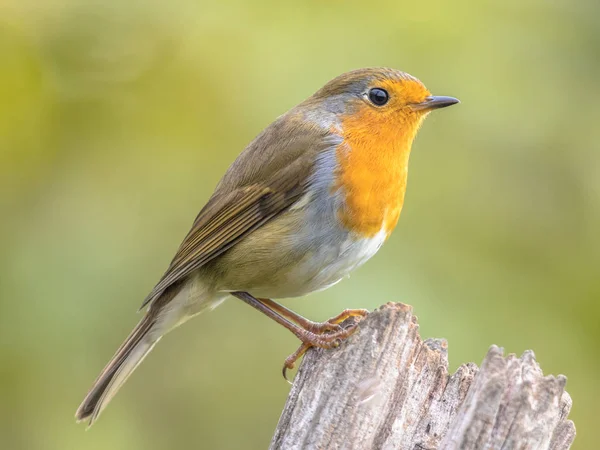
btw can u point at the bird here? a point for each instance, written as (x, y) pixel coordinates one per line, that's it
(310, 199)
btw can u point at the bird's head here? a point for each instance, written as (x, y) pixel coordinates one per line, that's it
(381, 103)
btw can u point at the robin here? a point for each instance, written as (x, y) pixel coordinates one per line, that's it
(311, 198)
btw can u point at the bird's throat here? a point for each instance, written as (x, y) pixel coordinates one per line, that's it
(373, 169)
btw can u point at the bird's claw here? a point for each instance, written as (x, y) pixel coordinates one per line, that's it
(326, 335)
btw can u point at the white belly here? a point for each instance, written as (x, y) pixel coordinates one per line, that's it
(323, 268)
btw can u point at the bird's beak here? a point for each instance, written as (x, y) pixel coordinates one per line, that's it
(434, 102)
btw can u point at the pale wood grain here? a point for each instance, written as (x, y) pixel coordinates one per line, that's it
(386, 388)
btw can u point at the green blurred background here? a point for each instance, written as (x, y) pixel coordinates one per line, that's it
(117, 119)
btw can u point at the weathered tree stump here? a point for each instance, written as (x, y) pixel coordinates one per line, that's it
(385, 388)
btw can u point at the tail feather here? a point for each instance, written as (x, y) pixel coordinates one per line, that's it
(129, 355)
(170, 310)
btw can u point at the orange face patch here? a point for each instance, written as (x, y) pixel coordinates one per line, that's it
(373, 159)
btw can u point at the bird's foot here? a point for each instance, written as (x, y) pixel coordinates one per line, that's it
(327, 334)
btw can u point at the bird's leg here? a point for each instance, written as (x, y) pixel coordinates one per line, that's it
(324, 335)
(308, 325)
(331, 325)
(316, 327)
(328, 340)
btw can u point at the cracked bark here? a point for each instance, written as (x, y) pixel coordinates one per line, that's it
(385, 388)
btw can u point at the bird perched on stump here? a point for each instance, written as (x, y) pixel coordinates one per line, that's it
(310, 199)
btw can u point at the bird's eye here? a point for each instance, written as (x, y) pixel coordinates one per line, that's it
(378, 96)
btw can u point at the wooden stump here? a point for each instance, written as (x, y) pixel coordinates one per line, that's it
(385, 388)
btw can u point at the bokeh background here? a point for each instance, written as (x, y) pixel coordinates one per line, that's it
(117, 119)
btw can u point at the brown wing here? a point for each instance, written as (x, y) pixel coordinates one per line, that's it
(241, 212)
(266, 179)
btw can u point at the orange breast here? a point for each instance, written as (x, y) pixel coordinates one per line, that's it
(373, 168)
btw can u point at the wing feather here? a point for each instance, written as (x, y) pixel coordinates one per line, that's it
(267, 178)
(243, 212)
